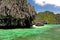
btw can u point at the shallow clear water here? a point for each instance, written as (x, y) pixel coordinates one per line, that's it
(51, 25)
(23, 33)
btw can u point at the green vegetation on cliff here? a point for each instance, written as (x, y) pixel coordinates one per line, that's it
(49, 16)
(58, 18)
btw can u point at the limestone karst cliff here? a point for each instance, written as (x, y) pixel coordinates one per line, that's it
(16, 13)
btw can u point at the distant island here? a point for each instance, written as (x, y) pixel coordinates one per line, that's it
(48, 16)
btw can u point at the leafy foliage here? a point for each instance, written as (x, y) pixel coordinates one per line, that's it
(58, 18)
(49, 16)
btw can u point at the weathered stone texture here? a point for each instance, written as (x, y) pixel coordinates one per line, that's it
(17, 9)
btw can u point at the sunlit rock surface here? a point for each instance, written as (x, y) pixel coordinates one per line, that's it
(16, 13)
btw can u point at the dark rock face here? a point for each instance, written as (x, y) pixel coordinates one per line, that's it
(39, 24)
(45, 22)
(16, 13)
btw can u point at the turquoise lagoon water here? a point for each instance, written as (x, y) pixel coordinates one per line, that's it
(14, 34)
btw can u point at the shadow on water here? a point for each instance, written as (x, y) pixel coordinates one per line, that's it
(13, 27)
(9, 25)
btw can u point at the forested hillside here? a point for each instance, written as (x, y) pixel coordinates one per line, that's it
(58, 18)
(49, 16)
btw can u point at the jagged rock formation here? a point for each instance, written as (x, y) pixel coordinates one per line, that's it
(16, 13)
